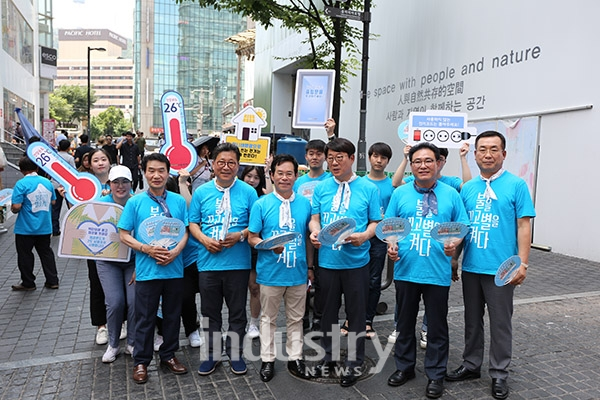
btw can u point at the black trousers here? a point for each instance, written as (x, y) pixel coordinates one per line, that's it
(231, 286)
(56, 208)
(97, 302)
(147, 299)
(408, 296)
(25, 259)
(354, 285)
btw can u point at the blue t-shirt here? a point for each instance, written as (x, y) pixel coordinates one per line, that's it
(493, 235)
(190, 251)
(364, 207)
(422, 259)
(203, 211)
(35, 194)
(288, 268)
(109, 199)
(137, 209)
(305, 185)
(453, 181)
(385, 191)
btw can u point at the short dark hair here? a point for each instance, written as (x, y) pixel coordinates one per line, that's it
(281, 158)
(491, 134)
(26, 164)
(84, 138)
(128, 133)
(424, 145)
(64, 145)
(221, 147)
(443, 152)
(315, 144)
(341, 145)
(155, 157)
(383, 149)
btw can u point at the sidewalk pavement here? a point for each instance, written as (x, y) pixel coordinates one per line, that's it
(47, 347)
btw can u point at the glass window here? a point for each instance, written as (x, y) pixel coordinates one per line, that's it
(17, 36)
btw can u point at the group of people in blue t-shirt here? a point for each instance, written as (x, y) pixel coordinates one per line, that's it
(226, 219)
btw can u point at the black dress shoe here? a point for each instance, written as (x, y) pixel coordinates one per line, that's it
(325, 369)
(462, 374)
(349, 377)
(267, 371)
(499, 388)
(297, 368)
(316, 325)
(21, 288)
(399, 378)
(435, 388)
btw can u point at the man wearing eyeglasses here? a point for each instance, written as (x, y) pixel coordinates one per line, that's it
(344, 268)
(422, 267)
(500, 208)
(219, 216)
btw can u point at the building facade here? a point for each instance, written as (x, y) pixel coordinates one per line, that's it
(182, 47)
(111, 75)
(24, 29)
(501, 63)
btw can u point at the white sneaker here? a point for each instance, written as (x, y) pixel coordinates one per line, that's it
(393, 336)
(195, 339)
(423, 340)
(110, 355)
(102, 335)
(252, 331)
(123, 334)
(158, 340)
(129, 350)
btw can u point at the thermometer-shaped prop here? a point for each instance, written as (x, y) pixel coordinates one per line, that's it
(79, 186)
(180, 152)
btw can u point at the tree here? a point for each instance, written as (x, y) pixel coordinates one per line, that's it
(110, 122)
(307, 16)
(76, 97)
(60, 109)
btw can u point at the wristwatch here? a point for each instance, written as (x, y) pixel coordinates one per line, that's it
(242, 237)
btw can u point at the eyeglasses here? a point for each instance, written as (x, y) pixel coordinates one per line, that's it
(428, 162)
(230, 164)
(338, 158)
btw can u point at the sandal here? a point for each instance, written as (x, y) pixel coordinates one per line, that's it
(370, 332)
(344, 329)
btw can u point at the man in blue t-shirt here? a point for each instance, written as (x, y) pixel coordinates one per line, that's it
(379, 158)
(32, 200)
(344, 268)
(282, 272)
(305, 186)
(500, 209)
(159, 271)
(219, 215)
(423, 267)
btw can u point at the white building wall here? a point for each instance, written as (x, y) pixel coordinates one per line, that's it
(419, 38)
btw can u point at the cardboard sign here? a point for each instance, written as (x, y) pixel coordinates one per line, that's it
(79, 186)
(441, 128)
(180, 152)
(90, 231)
(253, 152)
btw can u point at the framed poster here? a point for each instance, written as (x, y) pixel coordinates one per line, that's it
(313, 102)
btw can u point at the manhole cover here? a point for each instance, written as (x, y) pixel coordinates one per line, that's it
(334, 376)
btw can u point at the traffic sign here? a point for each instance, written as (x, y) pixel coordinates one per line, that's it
(342, 13)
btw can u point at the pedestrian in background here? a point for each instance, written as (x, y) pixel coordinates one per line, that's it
(32, 200)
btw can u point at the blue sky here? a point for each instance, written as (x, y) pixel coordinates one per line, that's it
(116, 15)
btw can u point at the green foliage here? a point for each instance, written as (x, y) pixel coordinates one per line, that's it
(109, 122)
(60, 109)
(76, 97)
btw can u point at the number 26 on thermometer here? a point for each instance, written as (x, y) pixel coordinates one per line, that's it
(171, 108)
